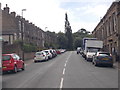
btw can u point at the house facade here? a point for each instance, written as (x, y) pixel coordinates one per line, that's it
(108, 30)
(16, 28)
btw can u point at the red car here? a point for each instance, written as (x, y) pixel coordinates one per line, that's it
(12, 62)
(58, 52)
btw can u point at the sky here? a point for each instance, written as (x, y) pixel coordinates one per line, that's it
(50, 14)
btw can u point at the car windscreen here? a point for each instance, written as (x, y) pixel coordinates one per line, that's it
(6, 57)
(104, 54)
(92, 50)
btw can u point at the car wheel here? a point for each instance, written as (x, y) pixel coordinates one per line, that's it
(35, 61)
(15, 69)
(23, 68)
(111, 65)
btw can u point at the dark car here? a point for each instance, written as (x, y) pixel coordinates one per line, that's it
(12, 62)
(102, 58)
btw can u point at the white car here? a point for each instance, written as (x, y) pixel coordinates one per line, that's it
(40, 56)
(49, 54)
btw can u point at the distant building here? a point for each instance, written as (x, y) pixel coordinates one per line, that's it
(108, 29)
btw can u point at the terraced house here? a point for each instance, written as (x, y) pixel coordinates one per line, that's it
(108, 30)
(15, 28)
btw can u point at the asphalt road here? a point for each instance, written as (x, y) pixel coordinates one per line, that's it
(67, 70)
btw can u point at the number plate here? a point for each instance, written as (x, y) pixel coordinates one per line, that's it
(105, 59)
(4, 67)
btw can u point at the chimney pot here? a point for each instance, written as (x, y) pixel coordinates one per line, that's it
(6, 9)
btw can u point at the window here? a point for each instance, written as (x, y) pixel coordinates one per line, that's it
(6, 57)
(104, 54)
(38, 53)
(18, 58)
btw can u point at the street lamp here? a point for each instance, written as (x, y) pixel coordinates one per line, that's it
(22, 31)
(22, 12)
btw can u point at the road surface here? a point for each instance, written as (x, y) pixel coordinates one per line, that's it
(67, 70)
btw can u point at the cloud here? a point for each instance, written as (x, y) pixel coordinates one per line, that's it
(48, 13)
(43, 13)
(98, 10)
(98, 1)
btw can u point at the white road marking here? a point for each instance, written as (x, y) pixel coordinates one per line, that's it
(63, 71)
(62, 79)
(61, 83)
(66, 61)
(65, 65)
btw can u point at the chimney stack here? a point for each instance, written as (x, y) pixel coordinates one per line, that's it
(0, 5)
(13, 14)
(6, 9)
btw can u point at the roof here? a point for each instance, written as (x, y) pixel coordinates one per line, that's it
(8, 54)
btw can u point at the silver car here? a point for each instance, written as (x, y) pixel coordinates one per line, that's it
(40, 56)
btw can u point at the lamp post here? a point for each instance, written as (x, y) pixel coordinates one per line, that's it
(22, 32)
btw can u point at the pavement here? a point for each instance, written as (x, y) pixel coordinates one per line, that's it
(117, 65)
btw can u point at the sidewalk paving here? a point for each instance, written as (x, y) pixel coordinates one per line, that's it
(117, 65)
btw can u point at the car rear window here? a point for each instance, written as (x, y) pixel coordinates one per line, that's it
(5, 58)
(46, 51)
(104, 54)
(38, 53)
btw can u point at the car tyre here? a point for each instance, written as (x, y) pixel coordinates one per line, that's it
(15, 69)
(111, 65)
(23, 68)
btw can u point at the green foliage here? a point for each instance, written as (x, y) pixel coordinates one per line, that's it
(29, 48)
(61, 40)
(79, 35)
(17, 41)
(77, 42)
(69, 37)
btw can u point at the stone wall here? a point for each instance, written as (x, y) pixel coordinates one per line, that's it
(16, 48)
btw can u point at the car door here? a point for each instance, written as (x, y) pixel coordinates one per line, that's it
(15, 61)
(20, 63)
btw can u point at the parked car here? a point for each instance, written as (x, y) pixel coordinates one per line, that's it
(49, 54)
(58, 51)
(53, 52)
(78, 50)
(40, 56)
(103, 58)
(62, 50)
(12, 62)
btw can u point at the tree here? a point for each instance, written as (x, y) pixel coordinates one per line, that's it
(77, 42)
(68, 34)
(69, 37)
(78, 36)
(61, 40)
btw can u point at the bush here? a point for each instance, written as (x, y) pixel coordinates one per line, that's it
(29, 48)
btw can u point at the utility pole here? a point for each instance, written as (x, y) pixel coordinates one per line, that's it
(22, 33)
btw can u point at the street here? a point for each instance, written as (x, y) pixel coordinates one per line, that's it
(68, 70)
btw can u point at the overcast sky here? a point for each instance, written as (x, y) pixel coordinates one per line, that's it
(51, 13)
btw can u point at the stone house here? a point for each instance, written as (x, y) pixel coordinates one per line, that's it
(108, 30)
